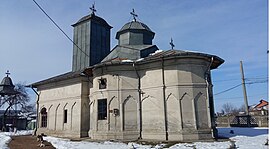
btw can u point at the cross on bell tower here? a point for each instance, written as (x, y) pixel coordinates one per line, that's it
(134, 15)
(171, 43)
(93, 9)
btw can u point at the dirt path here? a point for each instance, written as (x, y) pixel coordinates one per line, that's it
(27, 142)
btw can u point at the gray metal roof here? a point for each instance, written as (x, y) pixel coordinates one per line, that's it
(183, 54)
(217, 61)
(7, 87)
(131, 52)
(92, 17)
(61, 77)
(134, 25)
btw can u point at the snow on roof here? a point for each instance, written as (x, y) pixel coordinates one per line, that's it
(157, 51)
(140, 59)
(127, 61)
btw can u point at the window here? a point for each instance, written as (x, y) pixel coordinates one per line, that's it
(65, 116)
(43, 117)
(102, 109)
(102, 83)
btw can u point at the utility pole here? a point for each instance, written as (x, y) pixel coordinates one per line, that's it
(244, 87)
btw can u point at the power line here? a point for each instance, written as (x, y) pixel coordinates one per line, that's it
(228, 89)
(257, 78)
(255, 82)
(58, 27)
(240, 97)
(225, 80)
(249, 83)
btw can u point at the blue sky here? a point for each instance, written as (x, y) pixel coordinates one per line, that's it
(33, 49)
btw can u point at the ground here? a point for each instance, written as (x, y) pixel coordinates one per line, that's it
(244, 138)
(27, 142)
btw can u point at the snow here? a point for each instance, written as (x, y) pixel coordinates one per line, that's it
(157, 51)
(245, 138)
(140, 59)
(127, 61)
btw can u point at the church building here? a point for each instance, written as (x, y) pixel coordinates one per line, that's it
(132, 91)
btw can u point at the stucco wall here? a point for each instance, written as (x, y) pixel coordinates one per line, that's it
(67, 95)
(173, 97)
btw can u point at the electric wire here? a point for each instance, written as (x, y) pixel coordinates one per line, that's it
(228, 89)
(225, 80)
(59, 27)
(240, 97)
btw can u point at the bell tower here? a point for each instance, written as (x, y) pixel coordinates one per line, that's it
(91, 36)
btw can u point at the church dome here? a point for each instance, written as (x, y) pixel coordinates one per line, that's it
(7, 81)
(134, 25)
(7, 87)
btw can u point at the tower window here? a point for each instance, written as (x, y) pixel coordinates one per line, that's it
(102, 109)
(102, 83)
(65, 116)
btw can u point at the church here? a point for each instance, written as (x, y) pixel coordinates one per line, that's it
(132, 91)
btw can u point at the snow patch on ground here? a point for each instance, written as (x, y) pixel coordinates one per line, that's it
(245, 138)
(67, 144)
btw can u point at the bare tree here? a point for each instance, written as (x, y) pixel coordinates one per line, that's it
(14, 102)
(229, 108)
(242, 108)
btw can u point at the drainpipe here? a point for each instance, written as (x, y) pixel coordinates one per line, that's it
(37, 118)
(207, 74)
(140, 102)
(164, 100)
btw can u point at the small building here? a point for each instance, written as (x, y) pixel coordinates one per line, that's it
(134, 91)
(15, 118)
(260, 109)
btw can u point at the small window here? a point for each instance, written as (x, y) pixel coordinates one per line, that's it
(65, 116)
(102, 109)
(43, 114)
(102, 83)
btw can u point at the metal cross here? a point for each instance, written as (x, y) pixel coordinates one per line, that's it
(171, 43)
(7, 73)
(134, 14)
(93, 8)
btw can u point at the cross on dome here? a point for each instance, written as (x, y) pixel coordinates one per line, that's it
(93, 9)
(7, 73)
(171, 43)
(134, 15)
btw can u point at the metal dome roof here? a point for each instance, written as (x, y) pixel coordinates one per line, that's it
(7, 81)
(7, 87)
(134, 25)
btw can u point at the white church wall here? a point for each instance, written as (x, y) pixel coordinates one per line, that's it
(122, 103)
(185, 101)
(58, 99)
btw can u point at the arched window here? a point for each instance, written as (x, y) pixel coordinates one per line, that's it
(43, 114)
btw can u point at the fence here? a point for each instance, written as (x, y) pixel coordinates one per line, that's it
(242, 121)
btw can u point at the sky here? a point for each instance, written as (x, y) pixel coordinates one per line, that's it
(33, 49)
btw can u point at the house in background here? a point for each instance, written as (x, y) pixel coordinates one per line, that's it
(18, 119)
(260, 109)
